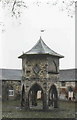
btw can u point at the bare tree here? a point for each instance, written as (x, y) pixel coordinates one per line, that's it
(15, 6)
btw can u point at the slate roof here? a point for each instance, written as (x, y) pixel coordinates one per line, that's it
(68, 75)
(10, 74)
(16, 74)
(41, 48)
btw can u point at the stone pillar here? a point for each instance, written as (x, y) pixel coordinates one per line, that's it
(22, 103)
(53, 100)
(23, 98)
(27, 101)
(45, 101)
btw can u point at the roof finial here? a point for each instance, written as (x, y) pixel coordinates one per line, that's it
(41, 32)
(40, 38)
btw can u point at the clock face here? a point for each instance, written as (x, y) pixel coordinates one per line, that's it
(36, 69)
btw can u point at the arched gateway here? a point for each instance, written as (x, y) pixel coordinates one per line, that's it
(36, 95)
(40, 73)
(53, 96)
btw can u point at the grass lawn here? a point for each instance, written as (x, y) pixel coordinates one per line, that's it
(0, 109)
(11, 109)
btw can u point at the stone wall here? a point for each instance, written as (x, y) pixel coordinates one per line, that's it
(11, 85)
(40, 70)
(64, 90)
(43, 75)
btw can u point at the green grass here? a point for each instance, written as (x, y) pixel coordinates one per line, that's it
(11, 109)
(0, 109)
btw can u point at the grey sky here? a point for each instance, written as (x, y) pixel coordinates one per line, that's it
(59, 35)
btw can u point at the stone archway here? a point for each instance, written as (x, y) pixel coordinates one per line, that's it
(70, 93)
(53, 96)
(35, 96)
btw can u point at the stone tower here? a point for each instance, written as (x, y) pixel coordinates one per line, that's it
(40, 73)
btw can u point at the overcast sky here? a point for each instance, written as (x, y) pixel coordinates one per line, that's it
(59, 35)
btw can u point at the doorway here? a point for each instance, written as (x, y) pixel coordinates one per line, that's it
(35, 97)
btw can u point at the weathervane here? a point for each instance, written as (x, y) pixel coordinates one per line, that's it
(42, 31)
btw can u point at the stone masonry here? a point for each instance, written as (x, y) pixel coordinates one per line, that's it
(40, 71)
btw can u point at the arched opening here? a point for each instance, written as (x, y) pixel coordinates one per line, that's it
(56, 71)
(23, 96)
(70, 93)
(36, 97)
(52, 67)
(53, 96)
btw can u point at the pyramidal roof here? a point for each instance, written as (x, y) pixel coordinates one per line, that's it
(41, 48)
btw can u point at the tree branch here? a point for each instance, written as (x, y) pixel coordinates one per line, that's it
(13, 6)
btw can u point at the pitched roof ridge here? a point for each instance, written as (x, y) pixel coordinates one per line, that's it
(47, 47)
(42, 42)
(10, 69)
(41, 48)
(32, 47)
(39, 41)
(68, 69)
